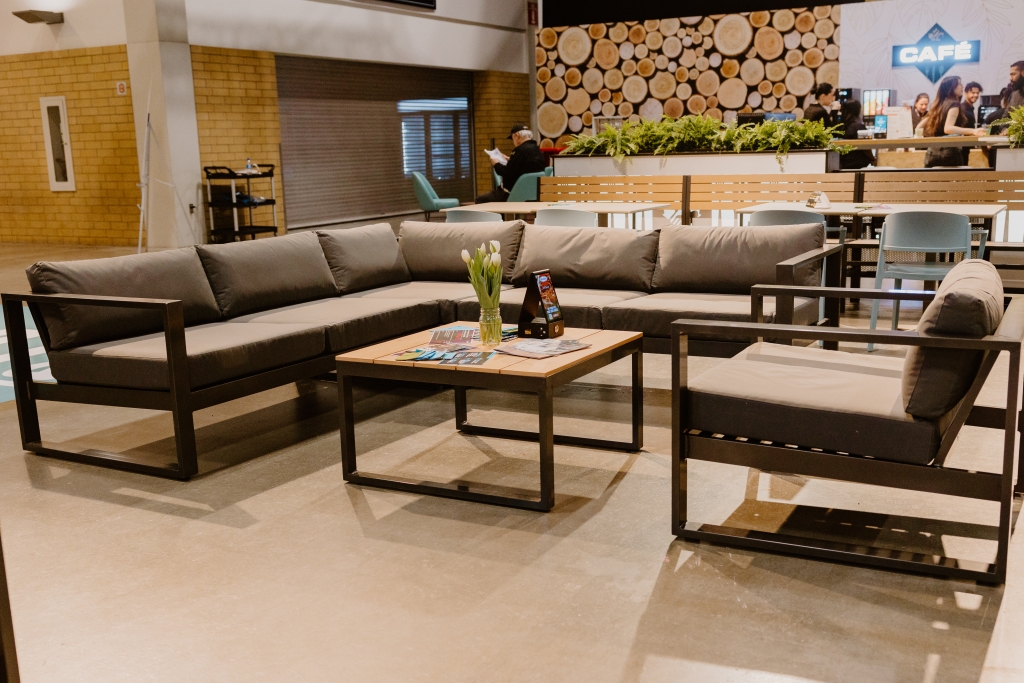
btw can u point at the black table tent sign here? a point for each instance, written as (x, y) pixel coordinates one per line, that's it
(541, 316)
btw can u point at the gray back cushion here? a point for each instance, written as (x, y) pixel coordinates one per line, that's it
(175, 274)
(969, 302)
(600, 258)
(364, 258)
(268, 273)
(732, 260)
(433, 251)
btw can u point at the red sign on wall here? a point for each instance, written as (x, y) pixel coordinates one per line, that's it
(532, 14)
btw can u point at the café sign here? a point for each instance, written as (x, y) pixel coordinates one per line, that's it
(936, 53)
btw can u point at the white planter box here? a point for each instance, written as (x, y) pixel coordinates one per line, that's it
(1006, 160)
(724, 163)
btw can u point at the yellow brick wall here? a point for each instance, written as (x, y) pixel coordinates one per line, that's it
(236, 109)
(101, 126)
(500, 100)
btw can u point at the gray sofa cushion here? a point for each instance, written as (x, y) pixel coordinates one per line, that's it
(815, 398)
(968, 302)
(446, 294)
(599, 258)
(352, 322)
(364, 258)
(176, 274)
(580, 307)
(267, 273)
(732, 260)
(654, 314)
(216, 353)
(433, 251)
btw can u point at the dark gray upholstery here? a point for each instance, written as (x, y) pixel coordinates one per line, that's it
(268, 273)
(580, 307)
(968, 302)
(364, 258)
(216, 352)
(654, 314)
(814, 398)
(445, 293)
(433, 251)
(732, 260)
(351, 322)
(596, 258)
(175, 274)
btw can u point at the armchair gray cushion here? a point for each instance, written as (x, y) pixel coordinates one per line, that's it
(968, 302)
(175, 274)
(732, 260)
(597, 258)
(433, 251)
(267, 273)
(364, 258)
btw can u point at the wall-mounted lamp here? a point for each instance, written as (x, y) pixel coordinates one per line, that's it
(35, 16)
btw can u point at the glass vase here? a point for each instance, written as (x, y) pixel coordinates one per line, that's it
(490, 326)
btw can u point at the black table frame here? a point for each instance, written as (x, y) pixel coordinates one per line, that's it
(462, 381)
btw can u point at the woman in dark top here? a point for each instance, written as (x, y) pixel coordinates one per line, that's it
(919, 110)
(853, 124)
(947, 118)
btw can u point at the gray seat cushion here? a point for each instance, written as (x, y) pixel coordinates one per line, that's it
(267, 273)
(351, 322)
(968, 302)
(732, 260)
(364, 258)
(446, 294)
(216, 352)
(654, 314)
(814, 398)
(175, 274)
(594, 258)
(433, 251)
(580, 307)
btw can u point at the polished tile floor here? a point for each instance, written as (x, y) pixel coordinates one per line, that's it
(268, 567)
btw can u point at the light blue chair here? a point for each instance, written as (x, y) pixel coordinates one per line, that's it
(471, 216)
(527, 188)
(428, 199)
(927, 232)
(495, 179)
(566, 218)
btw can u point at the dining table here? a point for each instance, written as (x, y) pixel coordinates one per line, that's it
(603, 209)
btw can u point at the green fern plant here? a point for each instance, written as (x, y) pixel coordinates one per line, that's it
(1015, 131)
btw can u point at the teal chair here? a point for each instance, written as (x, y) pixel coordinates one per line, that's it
(428, 199)
(528, 185)
(471, 216)
(495, 179)
(927, 232)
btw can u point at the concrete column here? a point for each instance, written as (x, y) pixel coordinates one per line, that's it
(160, 67)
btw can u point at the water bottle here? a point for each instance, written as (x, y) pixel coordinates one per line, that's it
(248, 164)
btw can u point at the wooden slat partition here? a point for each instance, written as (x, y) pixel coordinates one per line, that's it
(728, 193)
(941, 187)
(656, 188)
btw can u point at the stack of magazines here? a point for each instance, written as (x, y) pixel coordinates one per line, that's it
(542, 348)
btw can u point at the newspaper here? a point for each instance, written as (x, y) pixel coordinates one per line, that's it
(542, 348)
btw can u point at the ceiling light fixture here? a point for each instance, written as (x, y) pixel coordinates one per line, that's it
(35, 16)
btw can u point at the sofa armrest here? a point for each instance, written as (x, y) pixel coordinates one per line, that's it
(759, 292)
(785, 274)
(173, 323)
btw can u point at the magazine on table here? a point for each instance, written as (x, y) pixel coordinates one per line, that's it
(467, 335)
(542, 348)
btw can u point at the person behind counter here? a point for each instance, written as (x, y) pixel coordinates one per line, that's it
(919, 110)
(972, 91)
(852, 123)
(525, 158)
(1016, 98)
(947, 118)
(825, 106)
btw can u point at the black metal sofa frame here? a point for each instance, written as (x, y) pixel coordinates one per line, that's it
(689, 444)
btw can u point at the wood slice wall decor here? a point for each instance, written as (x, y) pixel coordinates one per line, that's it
(716, 65)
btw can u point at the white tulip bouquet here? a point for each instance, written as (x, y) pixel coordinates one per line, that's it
(485, 273)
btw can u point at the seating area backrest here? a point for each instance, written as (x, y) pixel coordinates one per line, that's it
(597, 258)
(726, 260)
(729, 193)
(433, 250)
(941, 187)
(364, 258)
(968, 302)
(262, 274)
(174, 274)
(661, 189)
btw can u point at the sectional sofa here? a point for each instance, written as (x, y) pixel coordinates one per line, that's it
(186, 329)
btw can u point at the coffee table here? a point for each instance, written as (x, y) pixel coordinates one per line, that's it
(502, 372)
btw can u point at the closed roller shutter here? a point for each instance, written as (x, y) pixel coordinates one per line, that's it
(352, 133)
